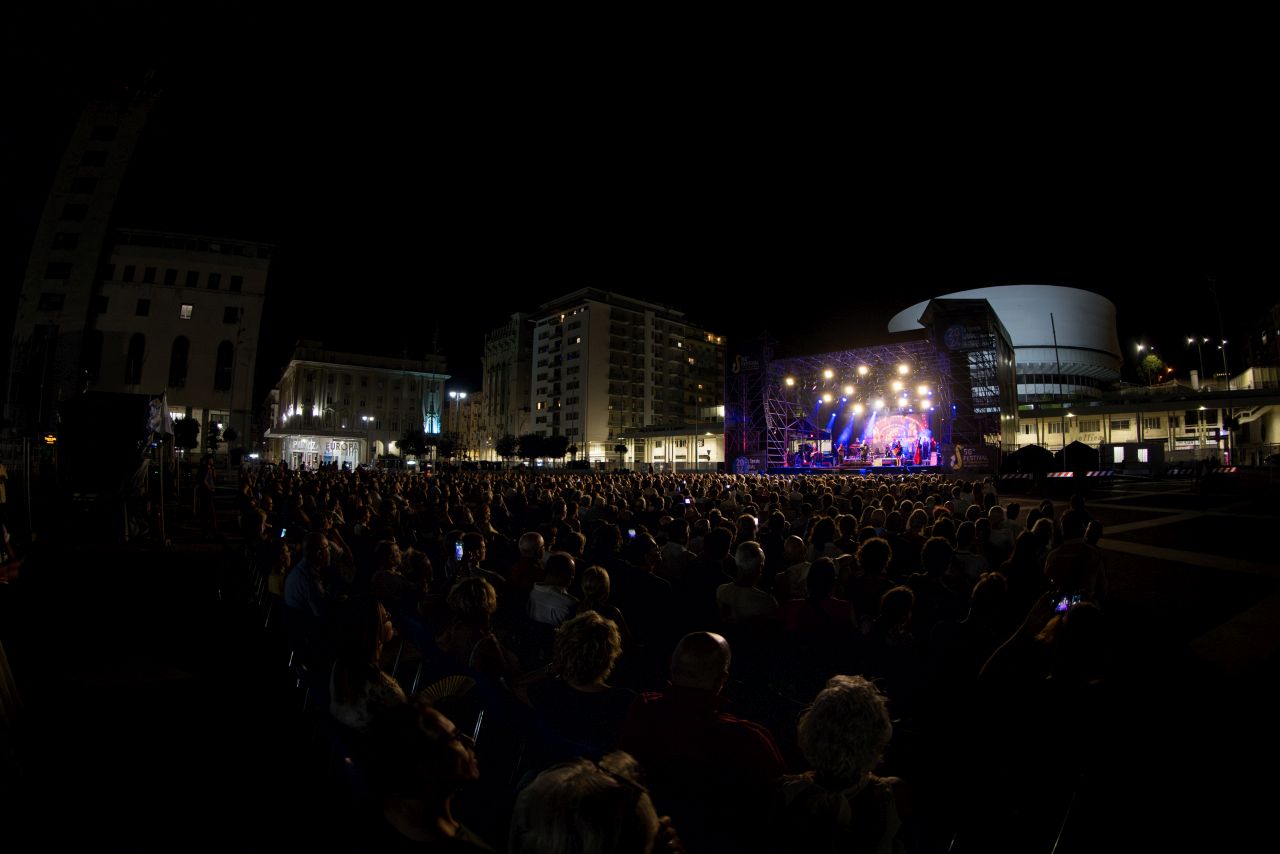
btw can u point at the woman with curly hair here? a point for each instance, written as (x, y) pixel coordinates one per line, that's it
(581, 711)
(841, 805)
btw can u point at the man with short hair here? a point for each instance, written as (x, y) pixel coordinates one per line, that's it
(550, 602)
(528, 570)
(709, 770)
(304, 588)
(740, 602)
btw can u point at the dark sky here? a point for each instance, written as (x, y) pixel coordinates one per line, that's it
(415, 186)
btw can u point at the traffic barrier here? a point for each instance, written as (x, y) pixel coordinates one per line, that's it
(1107, 473)
(1061, 474)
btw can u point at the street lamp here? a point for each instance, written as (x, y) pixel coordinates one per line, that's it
(457, 397)
(369, 422)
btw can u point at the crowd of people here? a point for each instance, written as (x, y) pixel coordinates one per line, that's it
(701, 662)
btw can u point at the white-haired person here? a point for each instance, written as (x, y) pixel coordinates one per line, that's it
(841, 805)
(584, 806)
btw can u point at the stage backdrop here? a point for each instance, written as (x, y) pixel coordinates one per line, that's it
(905, 428)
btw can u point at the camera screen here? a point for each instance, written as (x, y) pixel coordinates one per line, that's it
(283, 531)
(457, 551)
(1064, 603)
(631, 532)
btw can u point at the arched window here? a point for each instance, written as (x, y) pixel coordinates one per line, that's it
(178, 362)
(133, 362)
(222, 373)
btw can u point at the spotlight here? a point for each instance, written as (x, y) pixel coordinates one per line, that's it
(922, 390)
(879, 404)
(848, 390)
(828, 374)
(863, 370)
(904, 370)
(921, 404)
(790, 381)
(826, 398)
(897, 385)
(857, 409)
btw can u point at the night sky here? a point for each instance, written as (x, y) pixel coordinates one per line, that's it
(417, 187)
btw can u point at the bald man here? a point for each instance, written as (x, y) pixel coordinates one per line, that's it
(709, 770)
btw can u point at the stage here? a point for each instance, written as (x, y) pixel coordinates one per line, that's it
(862, 470)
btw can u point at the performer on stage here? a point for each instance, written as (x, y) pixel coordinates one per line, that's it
(897, 452)
(919, 451)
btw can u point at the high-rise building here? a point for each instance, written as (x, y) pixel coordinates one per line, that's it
(180, 313)
(348, 408)
(507, 373)
(57, 307)
(606, 366)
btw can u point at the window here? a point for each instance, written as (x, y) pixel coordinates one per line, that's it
(231, 314)
(1150, 424)
(107, 273)
(184, 313)
(1175, 421)
(237, 282)
(193, 278)
(1122, 424)
(129, 270)
(1028, 429)
(1117, 454)
(178, 361)
(214, 280)
(144, 307)
(577, 340)
(222, 370)
(84, 185)
(103, 133)
(1090, 425)
(170, 277)
(52, 302)
(93, 158)
(1055, 428)
(1142, 455)
(149, 276)
(133, 362)
(74, 212)
(66, 240)
(57, 270)
(100, 304)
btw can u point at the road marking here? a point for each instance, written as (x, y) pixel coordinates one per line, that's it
(1228, 564)
(1247, 640)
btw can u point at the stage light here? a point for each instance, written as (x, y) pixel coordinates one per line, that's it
(897, 385)
(790, 381)
(826, 398)
(863, 370)
(904, 370)
(857, 409)
(828, 374)
(879, 404)
(848, 390)
(843, 399)
(922, 390)
(920, 403)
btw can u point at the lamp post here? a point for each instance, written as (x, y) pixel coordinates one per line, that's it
(369, 423)
(457, 397)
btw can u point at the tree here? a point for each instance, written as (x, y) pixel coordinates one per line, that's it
(413, 441)
(1150, 367)
(556, 447)
(186, 433)
(507, 446)
(531, 446)
(446, 446)
(572, 450)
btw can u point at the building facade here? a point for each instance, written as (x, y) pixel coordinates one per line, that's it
(604, 364)
(1064, 339)
(57, 307)
(181, 313)
(507, 371)
(347, 408)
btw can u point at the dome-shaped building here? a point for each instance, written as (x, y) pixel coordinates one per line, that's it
(1087, 359)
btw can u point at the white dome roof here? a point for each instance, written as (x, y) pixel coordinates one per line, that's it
(1085, 322)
